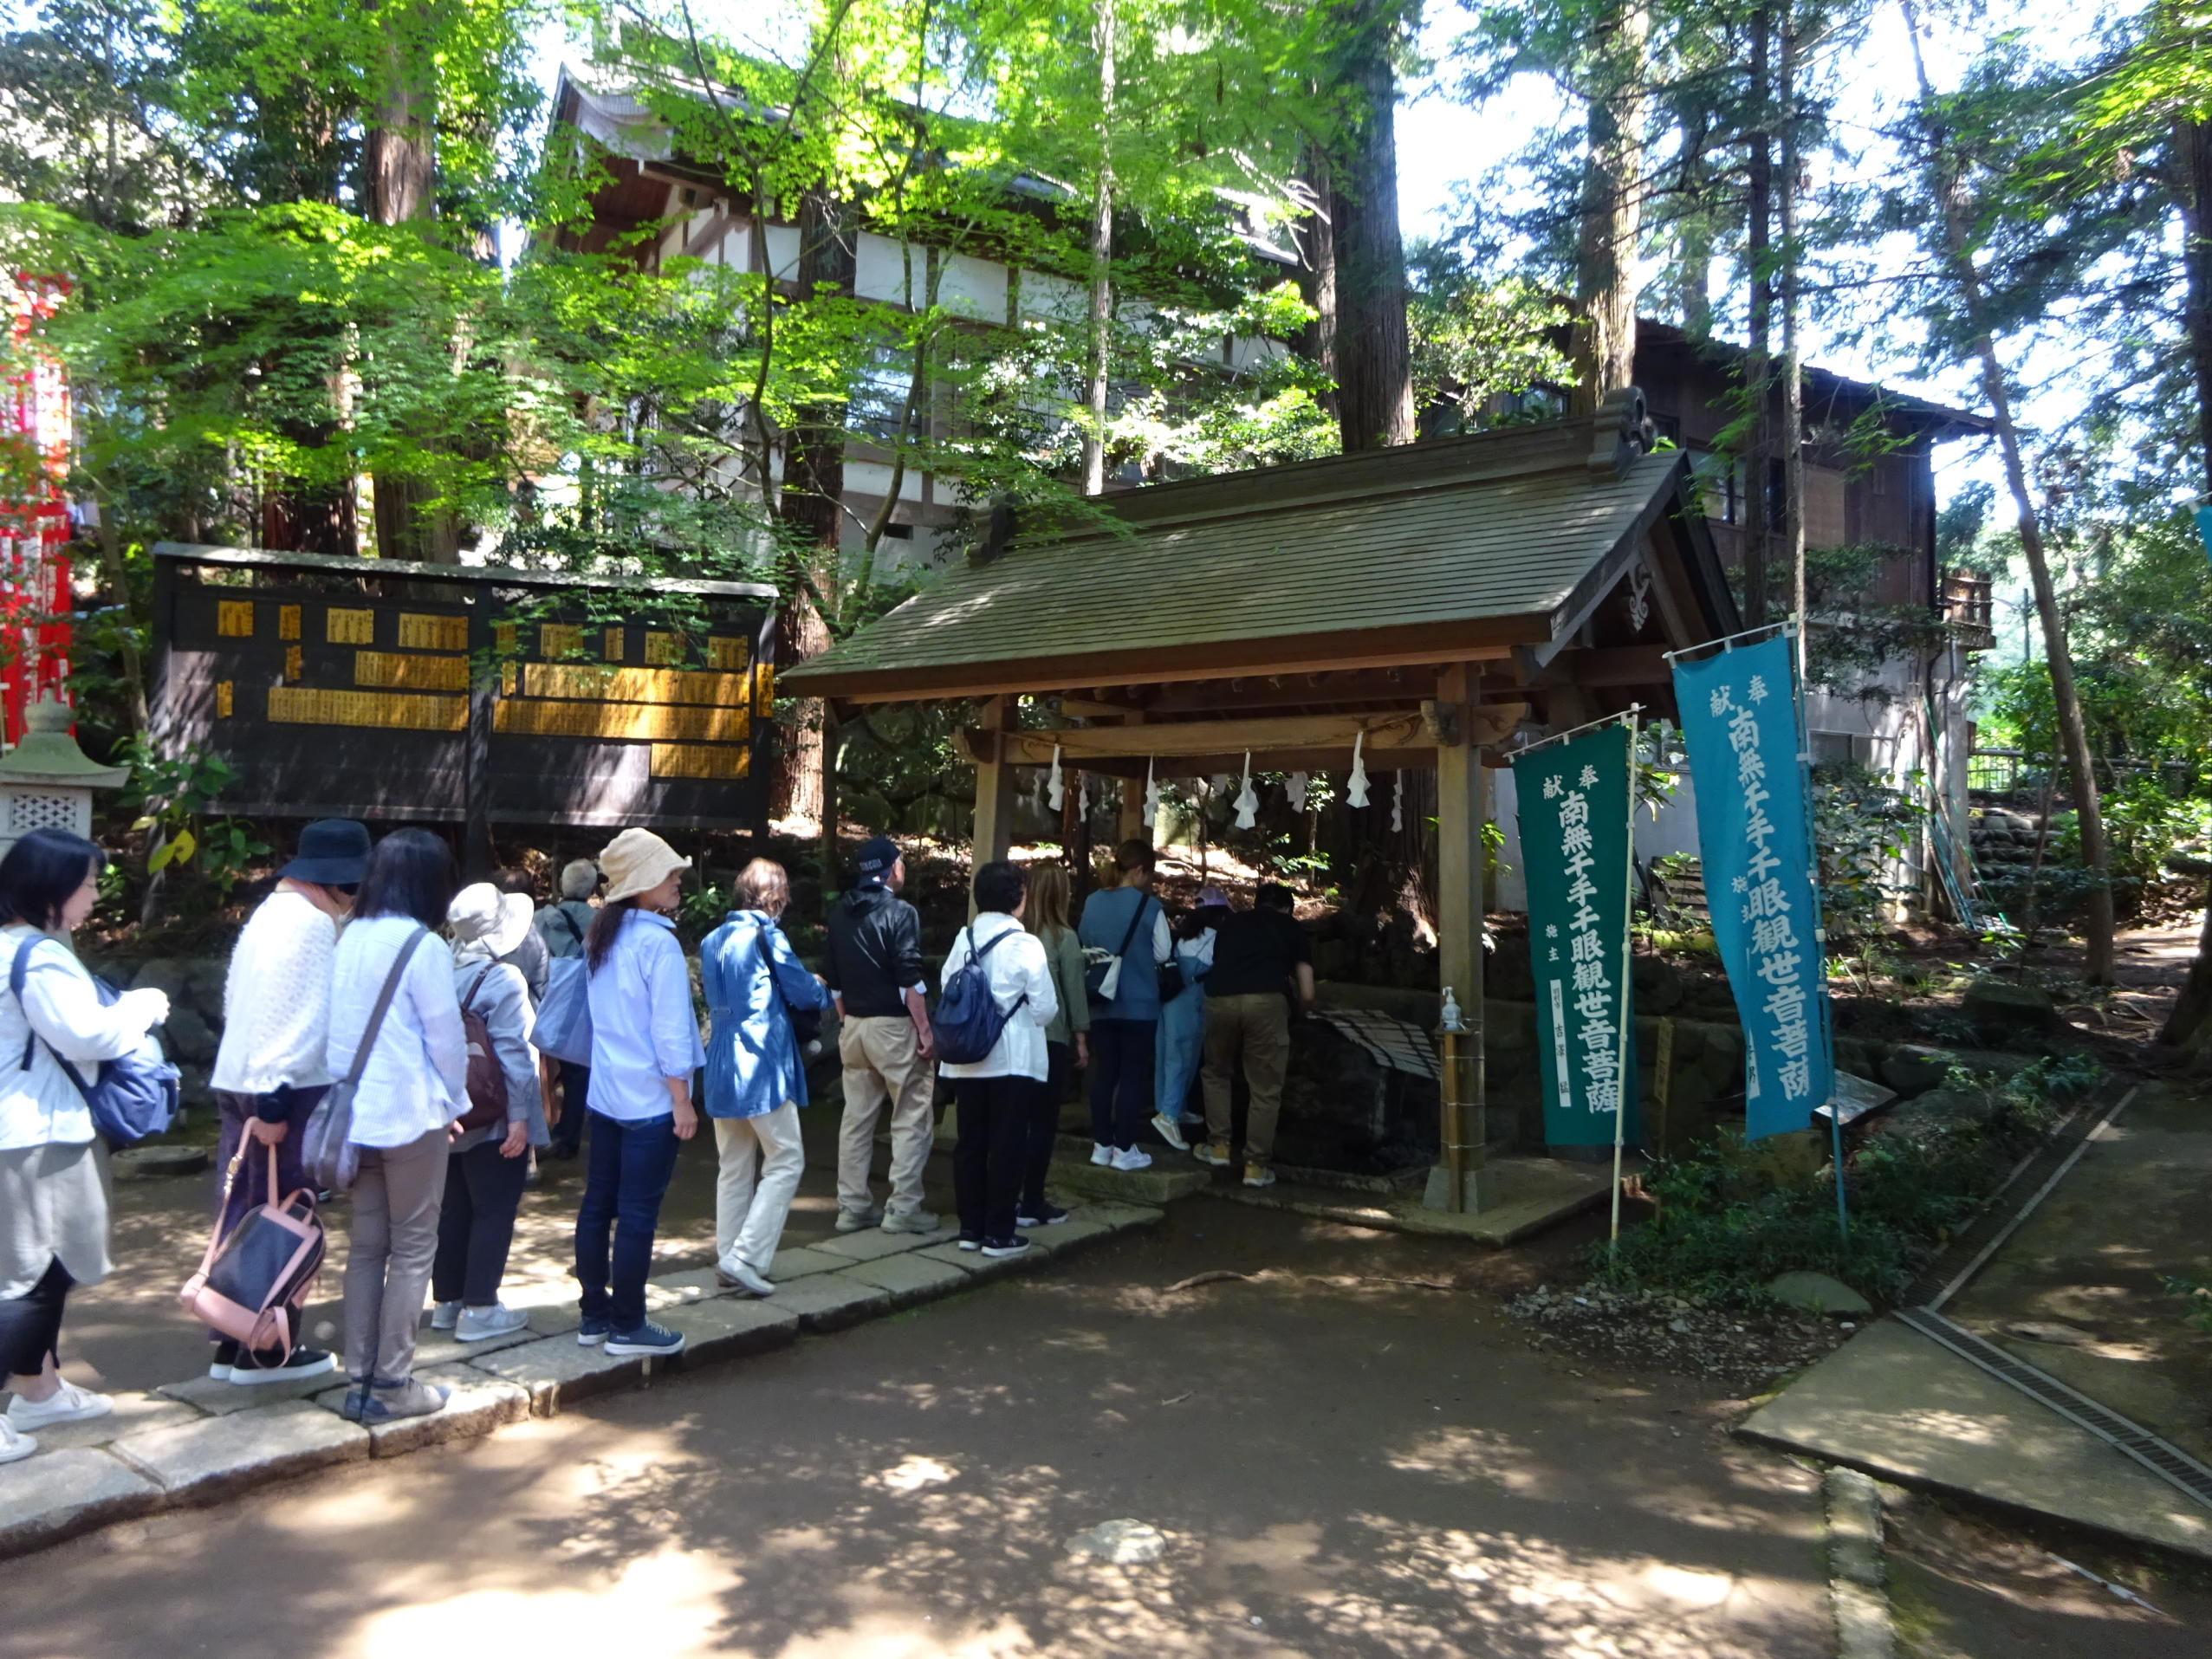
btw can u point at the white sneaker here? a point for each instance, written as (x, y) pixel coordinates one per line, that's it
(1135, 1158)
(14, 1447)
(1101, 1154)
(1170, 1132)
(444, 1316)
(739, 1274)
(481, 1324)
(68, 1403)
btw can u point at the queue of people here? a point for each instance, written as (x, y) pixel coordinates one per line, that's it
(337, 975)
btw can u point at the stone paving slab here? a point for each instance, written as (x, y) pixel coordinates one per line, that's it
(909, 1280)
(1119, 1215)
(478, 1404)
(557, 1371)
(133, 1412)
(801, 1262)
(730, 1327)
(1173, 1174)
(827, 1302)
(200, 1462)
(221, 1398)
(1904, 1408)
(977, 1265)
(682, 1289)
(873, 1244)
(443, 1348)
(1068, 1237)
(54, 1494)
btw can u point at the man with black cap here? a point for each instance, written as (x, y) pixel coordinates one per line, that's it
(875, 969)
(269, 1070)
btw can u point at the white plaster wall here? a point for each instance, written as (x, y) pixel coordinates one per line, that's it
(973, 288)
(879, 271)
(1054, 299)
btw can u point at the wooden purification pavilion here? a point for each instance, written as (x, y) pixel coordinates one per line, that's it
(1440, 601)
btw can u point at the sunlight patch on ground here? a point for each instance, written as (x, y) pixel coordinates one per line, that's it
(914, 1473)
(664, 1603)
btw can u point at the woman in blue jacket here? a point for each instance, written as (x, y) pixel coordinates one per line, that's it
(756, 1078)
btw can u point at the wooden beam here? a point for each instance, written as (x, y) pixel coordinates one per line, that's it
(993, 831)
(1609, 665)
(1393, 729)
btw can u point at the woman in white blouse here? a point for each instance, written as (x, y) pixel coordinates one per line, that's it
(52, 1171)
(997, 1094)
(414, 1085)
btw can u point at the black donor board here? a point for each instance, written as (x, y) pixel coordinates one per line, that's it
(362, 688)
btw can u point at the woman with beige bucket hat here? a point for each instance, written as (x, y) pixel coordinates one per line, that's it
(645, 1049)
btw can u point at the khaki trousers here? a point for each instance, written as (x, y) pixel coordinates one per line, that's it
(749, 1213)
(882, 1067)
(1256, 1029)
(389, 1256)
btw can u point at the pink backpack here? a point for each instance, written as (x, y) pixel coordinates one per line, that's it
(252, 1285)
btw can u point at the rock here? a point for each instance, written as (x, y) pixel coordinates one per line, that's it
(205, 982)
(52, 1495)
(2065, 1336)
(1816, 1293)
(1939, 1109)
(1658, 985)
(908, 1280)
(188, 1035)
(1998, 1011)
(1121, 1542)
(164, 975)
(156, 1159)
(1911, 1070)
(219, 1455)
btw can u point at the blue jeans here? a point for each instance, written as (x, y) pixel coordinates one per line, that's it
(626, 1175)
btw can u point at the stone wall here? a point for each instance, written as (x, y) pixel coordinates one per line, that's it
(194, 986)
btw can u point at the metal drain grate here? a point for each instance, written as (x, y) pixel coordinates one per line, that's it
(2162, 1459)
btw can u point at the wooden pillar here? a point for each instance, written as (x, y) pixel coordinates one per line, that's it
(1462, 808)
(994, 832)
(1131, 827)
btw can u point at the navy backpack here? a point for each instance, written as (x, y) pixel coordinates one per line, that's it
(135, 1095)
(968, 1018)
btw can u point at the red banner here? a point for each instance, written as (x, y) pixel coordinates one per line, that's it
(35, 597)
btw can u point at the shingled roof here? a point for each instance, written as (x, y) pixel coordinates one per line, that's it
(1460, 547)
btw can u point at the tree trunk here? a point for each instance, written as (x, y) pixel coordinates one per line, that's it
(119, 590)
(1374, 368)
(1317, 272)
(1792, 438)
(1947, 183)
(1612, 212)
(1102, 35)
(811, 508)
(1758, 217)
(2191, 1018)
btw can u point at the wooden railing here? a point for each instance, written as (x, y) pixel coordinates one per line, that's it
(1968, 608)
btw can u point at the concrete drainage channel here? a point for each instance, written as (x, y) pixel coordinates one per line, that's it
(199, 1441)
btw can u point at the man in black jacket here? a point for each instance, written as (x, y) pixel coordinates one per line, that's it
(875, 969)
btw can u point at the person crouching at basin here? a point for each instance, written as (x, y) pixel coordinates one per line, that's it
(756, 1079)
(484, 1176)
(645, 1049)
(53, 1170)
(996, 1095)
(414, 1085)
(271, 1068)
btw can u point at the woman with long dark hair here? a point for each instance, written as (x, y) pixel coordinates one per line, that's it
(645, 1049)
(414, 1084)
(53, 1169)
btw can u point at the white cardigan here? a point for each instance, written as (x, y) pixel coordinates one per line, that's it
(276, 999)
(417, 1079)
(39, 1106)
(1014, 968)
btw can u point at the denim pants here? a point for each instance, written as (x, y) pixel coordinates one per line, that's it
(1182, 1044)
(625, 1175)
(1121, 1079)
(576, 1090)
(990, 1151)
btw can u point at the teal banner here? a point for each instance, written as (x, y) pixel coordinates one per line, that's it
(1754, 835)
(1574, 809)
(2204, 528)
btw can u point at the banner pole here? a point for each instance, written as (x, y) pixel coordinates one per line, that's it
(1820, 930)
(1627, 1079)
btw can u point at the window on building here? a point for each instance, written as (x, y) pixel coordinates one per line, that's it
(1839, 748)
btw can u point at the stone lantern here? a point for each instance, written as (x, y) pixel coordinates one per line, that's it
(46, 781)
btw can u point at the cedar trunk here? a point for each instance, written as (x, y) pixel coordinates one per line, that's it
(1374, 367)
(1611, 213)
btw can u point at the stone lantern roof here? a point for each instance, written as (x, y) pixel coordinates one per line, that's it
(49, 756)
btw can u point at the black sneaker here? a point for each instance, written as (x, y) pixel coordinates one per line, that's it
(300, 1362)
(226, 1354)
(1042, 1216)
(1013, 1246)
